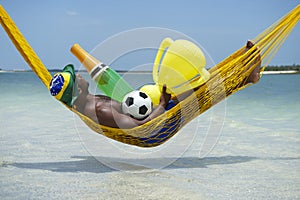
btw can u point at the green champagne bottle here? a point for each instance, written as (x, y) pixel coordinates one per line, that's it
(107, 79)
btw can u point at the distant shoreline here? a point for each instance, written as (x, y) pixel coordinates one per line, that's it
(81, 71)
(281, 72)
(150, 72)
(281, 69)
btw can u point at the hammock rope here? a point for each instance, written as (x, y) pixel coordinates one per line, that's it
(227, 77)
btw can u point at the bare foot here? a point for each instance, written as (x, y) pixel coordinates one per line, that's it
(255, 74)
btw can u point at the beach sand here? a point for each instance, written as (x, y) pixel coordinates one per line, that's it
(48, 162)
(281, 72)
(43, 155)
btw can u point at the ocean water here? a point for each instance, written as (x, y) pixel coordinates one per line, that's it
(45, 153)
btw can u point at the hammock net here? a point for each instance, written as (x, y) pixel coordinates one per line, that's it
(227, 77)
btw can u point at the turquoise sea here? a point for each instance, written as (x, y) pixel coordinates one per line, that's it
(256, 154)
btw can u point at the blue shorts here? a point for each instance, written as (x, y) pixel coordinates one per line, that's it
(170, 105)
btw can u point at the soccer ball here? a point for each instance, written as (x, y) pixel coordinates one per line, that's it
(137, 104)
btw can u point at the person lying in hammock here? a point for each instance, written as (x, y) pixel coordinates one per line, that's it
(73, 90)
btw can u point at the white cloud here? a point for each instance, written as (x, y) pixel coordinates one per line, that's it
(72, 13)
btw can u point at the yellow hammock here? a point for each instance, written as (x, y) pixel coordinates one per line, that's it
(226, 78)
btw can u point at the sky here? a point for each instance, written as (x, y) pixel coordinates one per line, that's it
(220, 26)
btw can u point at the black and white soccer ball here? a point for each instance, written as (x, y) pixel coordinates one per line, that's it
(137, 104)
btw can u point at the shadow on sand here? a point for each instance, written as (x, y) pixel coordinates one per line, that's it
(92, 165)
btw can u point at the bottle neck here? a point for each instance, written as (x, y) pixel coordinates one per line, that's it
(96, 72)
(87, 60)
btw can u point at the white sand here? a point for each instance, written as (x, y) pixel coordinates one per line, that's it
(257, 156)
(46, 160)
(280, 72)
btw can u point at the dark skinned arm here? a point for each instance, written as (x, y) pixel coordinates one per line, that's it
(108, 116)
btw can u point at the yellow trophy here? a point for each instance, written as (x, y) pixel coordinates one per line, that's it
(179, 64)
(181, 67)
